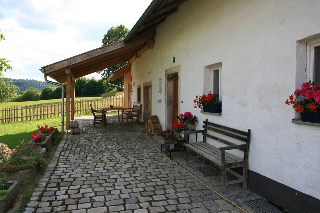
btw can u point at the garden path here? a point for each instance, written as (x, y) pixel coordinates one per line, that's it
(118, 168)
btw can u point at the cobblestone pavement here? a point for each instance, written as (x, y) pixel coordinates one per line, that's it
(118, 168)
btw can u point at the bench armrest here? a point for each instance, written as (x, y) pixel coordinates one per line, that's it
(242, 146)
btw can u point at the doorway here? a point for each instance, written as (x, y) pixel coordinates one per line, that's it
(172, 99)
(147, 101)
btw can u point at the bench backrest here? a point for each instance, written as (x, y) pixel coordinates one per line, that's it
(227, 131)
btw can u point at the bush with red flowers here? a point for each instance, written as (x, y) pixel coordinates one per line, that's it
(307, 98)
(204, 100)
(177, 127)
(168, 136)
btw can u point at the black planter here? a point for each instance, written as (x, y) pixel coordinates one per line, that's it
(213, 108)
(310, 116)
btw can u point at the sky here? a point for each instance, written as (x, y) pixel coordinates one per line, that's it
(41, 32)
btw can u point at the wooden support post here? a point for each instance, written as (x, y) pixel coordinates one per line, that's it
(68, 94)
(73, 95)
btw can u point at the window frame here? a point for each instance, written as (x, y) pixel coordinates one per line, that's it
(310, 59)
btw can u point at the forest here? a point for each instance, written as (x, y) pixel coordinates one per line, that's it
(38, 90)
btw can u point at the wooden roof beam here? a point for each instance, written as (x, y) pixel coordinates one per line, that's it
(149, 45)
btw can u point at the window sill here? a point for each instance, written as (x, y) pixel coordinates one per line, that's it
(210, 113)
(299, 122)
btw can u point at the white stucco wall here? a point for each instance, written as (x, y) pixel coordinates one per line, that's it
(256, 43)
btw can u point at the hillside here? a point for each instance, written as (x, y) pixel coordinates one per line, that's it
(24, 84)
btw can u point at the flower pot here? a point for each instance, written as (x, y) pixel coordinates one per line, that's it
(170, 147)
(310, 116)
(189, 127)
(213, 108)
(50, 139)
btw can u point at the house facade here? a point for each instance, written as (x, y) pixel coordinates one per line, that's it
(253, 54)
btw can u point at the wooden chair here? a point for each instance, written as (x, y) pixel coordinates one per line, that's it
(99, 116)
(131, 113)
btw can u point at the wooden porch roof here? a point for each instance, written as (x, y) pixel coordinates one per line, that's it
(139, 40)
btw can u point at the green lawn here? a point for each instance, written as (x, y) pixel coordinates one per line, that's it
(13, 133)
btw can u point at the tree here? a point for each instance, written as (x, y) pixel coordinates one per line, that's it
(90, 88)
(114, 34)
(31, 94)
(79, 86)
(46, 93)
(8, 91)
(56, 93)
(4, 63)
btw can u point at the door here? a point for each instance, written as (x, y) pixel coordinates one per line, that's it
(147, 100)
(172, 106)
(175, 99)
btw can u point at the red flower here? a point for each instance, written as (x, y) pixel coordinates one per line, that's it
(306, 99)
(313, 107)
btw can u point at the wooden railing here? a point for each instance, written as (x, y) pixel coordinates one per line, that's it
(50, 110)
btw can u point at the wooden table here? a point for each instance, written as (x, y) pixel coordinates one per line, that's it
(114, 108)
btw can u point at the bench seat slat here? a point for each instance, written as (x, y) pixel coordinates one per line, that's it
(211, 153)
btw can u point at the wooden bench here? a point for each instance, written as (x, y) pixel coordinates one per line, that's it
(218, 141)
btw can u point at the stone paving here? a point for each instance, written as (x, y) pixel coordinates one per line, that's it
(118, 168)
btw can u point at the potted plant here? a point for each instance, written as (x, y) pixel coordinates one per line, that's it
(209, 103)
(306, 101)
(178, 128)
(168, 137)
(188, 120)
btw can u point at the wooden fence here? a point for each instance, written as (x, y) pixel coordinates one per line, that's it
(50, 110)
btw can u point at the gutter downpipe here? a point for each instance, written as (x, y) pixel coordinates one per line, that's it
(111, 84)
(62, 99)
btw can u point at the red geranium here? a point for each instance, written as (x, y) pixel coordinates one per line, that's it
(306, 98)
(40, 136)
(204, 100)
(177, 127)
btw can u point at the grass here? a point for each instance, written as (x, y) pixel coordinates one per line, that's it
(13, 133)
(113, 93)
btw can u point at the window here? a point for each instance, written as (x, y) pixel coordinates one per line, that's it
(313, 66)
(216, 83)
(212, 79)
(139, 94)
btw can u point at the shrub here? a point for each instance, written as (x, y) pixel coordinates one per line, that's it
(4, 184)
(25, 156)
(4, 152)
